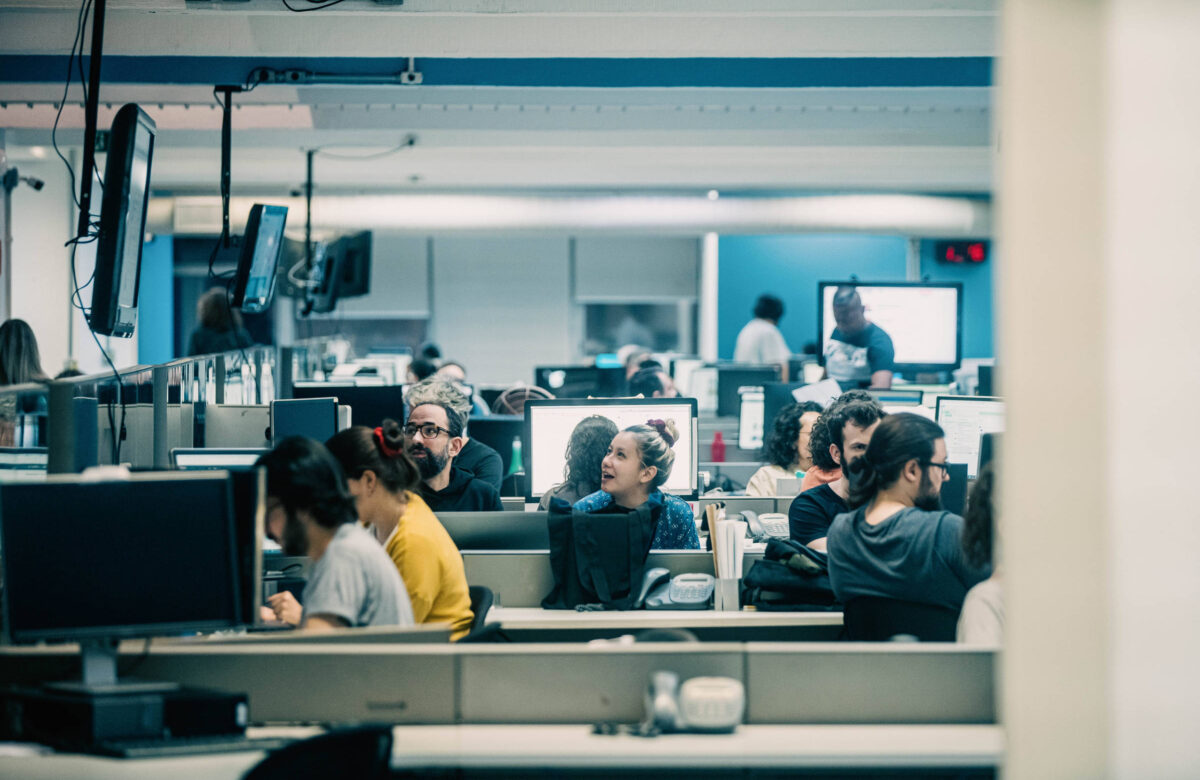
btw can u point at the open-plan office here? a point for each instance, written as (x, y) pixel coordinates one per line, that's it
(533, 186)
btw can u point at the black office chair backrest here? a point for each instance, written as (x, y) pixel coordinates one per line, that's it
(873, 619)
(482, 599)
(364, 752)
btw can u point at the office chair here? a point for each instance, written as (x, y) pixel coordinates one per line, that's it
(874, 619)
(482, 599)
(512, 400)
(363, 752)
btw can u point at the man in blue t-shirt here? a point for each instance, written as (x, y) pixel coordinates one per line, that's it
(859, 353)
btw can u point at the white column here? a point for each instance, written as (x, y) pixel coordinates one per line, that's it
(709, 271)
(1097, 196)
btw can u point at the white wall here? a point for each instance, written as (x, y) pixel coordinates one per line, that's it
(502, 305)
(42, 221)
(1097, 194)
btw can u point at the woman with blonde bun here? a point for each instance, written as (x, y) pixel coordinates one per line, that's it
(638, 462)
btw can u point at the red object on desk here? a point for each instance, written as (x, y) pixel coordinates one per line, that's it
(718, 447)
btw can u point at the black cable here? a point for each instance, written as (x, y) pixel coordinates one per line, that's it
(83, 83)
(66, 90)
(313, 8)
(405, 144)
(136, 661)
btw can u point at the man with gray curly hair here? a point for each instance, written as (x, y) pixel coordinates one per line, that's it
(434, 437)
(476, 457)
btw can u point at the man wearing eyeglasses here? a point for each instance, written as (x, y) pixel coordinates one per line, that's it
(897, 542)
(433, 436)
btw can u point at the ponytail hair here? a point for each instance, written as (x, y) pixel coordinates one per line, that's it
(654, 441)
(898, 439)
(360, 449)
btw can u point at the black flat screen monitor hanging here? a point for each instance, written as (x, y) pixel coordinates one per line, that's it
(122, 223)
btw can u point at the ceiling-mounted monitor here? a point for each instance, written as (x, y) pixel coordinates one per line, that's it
(254, 284)
(122, 223)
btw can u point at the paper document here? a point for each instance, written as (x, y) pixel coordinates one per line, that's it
(822, 392)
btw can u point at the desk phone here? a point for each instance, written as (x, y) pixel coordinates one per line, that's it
(685, 591)
(767, 525)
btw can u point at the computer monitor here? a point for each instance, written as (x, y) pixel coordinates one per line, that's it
(498, 431)
(354, 264)
(681, 374)
(734, 376)
(750, 418)
(497, 530)
(580, 381)
(898, 397)
(254, 282)
(122, 223)
(323, 294)
(965, 418)
(954, 490)
(777, 395)
(924, 320)
(316, 418)
(549, 424)
(214, 458)
(249, 495)
(369, 405)
(95, 562)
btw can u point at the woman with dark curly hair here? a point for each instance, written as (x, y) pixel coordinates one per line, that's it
(982, 618)
(787, 448)
(586, 448)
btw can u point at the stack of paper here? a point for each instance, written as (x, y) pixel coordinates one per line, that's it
(730, 548)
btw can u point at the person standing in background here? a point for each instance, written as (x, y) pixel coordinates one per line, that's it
(20, 360)
(220, 326)
(760, 342)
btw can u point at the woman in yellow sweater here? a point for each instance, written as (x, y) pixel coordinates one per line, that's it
(382, 479)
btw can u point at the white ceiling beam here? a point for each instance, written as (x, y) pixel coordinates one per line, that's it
(747, 28)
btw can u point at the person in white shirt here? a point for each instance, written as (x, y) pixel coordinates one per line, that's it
(760, 341)
(981, 621)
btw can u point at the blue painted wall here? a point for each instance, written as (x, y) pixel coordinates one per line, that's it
(790, 267)
(978, 339)
(156, 302)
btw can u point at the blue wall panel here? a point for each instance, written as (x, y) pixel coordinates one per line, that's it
(790, 267)
(156, 302)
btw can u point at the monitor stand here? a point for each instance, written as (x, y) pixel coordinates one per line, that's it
(99, 674)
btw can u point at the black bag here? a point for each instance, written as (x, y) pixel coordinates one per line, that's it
(789, 577)
(598, 559)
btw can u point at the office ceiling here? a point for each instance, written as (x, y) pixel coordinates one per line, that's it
(783, 96)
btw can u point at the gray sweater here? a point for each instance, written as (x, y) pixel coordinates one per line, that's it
(912, 556)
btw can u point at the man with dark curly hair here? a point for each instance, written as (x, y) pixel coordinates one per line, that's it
(849, 428)
(787, 448)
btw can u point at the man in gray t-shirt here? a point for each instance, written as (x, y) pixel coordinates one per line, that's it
(310, 512)
(356, 582)
(898, 544)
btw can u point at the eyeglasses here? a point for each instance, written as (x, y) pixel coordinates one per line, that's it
(945, 467)
(428, 430)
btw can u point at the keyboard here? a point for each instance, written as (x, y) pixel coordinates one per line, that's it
(186, 746)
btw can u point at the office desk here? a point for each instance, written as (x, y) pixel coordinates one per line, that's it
(550, 625)
(933, 750)
(761, 747)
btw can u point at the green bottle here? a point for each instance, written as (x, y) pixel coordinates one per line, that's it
(516, 466)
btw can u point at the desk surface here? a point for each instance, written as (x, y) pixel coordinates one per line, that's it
(576, 747)
(751, 746)
(534, 618)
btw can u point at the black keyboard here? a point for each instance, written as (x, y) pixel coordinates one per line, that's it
(186, 746)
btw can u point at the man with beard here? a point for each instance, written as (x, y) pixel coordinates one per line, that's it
(849, 428)
(310, 512)
(433, 436)
(897, 543)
